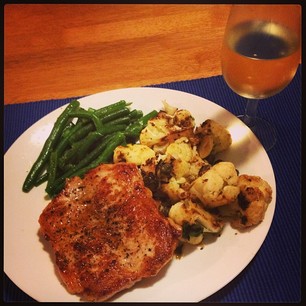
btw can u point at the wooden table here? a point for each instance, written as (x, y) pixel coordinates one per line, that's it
(58, 51)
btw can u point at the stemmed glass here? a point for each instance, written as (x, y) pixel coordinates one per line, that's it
(260, 56)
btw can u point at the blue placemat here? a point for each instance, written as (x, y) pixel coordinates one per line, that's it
(274, 275)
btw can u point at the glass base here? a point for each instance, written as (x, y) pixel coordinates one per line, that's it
(264, 131)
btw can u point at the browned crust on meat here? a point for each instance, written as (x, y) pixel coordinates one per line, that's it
(106, 232)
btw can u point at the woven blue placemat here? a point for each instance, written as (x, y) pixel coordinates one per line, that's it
(274, 275)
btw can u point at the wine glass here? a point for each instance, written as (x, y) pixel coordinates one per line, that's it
(260, 56)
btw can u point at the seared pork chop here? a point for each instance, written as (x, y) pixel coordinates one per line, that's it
(106, 232)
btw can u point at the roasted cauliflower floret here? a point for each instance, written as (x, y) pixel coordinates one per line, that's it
(178, 168)
(169, 109)
(183, 119)
(254, 188)
(141, 155)
(194, 221)
(165, 128)
(180, 149)
(184, 159)
(253, 200)
(175, 190)
(214, 138)
(217, 186)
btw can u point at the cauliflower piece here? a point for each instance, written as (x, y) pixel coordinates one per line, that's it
(194, 220)
(255, 188)
(229, 212)
(217, 186)
(180, 149)
(169, 109)
(253, 200)
(138, 154)
(177, 169)
(214, 138)
(183, 119)
(184, 159)
(174, 189)
(165, 128)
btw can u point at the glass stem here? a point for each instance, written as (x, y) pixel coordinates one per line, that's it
(250, 113)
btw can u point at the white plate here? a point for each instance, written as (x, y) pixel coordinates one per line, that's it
(200, 273)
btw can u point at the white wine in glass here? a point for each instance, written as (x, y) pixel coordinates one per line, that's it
(260, 56)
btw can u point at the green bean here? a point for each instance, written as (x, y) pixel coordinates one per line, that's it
(43, 178)
(52, 168)
(118, 114)
(73, 152)
(87, 144)
(111, 113)
(51, 190)
(64, 142)
(123, 120)
(144, 119)
(104, 111)
(82, 113)
(51, 141)
(73, 148)
(116, 140)
(109, 129)
(105, 130)
(130, 118)
(79, 149)
(77, 139)
(83, 128)
(66, 167)
(101, 154)
(81, 132)
(136, 114)
(67, 130)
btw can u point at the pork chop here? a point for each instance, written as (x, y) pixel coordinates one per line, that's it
(107, 232)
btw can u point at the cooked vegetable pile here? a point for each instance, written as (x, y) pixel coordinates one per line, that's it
(73, 148)
(198, 192)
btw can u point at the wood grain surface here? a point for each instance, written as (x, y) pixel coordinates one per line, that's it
(54, 51)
